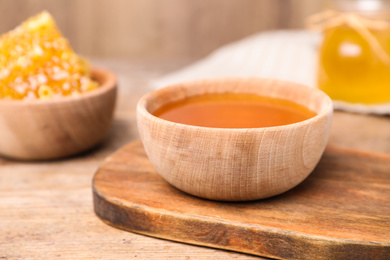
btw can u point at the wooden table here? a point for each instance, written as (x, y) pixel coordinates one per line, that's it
(46, 208)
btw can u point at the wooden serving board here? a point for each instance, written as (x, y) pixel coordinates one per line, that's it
(341, 211)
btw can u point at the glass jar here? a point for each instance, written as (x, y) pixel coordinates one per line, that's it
(354, 58)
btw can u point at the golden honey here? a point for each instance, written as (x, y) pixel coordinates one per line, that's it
(37, 62)
(234, 111)
(350, 71)
(354, 57)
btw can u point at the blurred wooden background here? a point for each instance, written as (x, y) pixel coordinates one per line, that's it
(158, 28)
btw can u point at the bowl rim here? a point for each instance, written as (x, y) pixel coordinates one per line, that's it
(141, 105)
(109, 83)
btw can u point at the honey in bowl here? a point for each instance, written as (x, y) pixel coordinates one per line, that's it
(234, 164)
(230, 110)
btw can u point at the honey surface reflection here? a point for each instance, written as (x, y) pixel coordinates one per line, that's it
(234, 111)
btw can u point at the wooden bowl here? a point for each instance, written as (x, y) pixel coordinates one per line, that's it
(235, 164)
(49, 129)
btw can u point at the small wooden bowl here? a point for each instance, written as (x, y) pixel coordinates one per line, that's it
(49, 129)
(235, 164)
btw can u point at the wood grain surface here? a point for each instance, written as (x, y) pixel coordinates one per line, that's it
(340, 211)
(158, 28)
(46, 208)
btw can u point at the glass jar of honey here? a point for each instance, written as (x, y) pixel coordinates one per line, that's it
(354, 57)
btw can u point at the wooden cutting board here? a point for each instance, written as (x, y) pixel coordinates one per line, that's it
(341, 211)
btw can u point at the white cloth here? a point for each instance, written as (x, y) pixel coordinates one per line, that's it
(287, 55)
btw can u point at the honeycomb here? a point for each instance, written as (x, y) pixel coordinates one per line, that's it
(37, 62)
